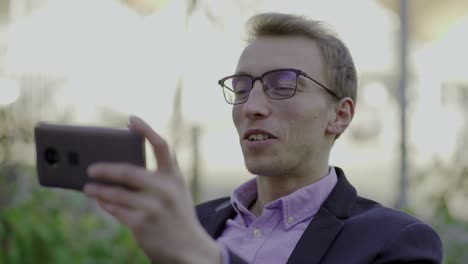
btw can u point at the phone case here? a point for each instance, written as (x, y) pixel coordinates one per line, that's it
(64, 152)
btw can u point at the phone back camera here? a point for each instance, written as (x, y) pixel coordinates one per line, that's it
(51, 156)
(73, 158)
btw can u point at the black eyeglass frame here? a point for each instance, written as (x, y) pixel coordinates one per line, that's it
(260, 78)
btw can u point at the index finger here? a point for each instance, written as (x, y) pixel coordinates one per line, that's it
(160, 147)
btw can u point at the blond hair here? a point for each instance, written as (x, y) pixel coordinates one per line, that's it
(340, 71)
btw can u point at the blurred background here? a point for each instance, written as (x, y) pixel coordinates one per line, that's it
(98, 61)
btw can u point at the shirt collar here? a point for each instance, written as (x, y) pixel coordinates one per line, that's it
(296, 207)
(242, 198)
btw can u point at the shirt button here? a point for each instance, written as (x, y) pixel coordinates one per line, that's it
(257, 233)
(290, 220)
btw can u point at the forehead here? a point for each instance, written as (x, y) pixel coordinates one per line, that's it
(269, 53)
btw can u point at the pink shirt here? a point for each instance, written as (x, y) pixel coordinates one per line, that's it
(271, 237)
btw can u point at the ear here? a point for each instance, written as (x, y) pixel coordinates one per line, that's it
(342, 117)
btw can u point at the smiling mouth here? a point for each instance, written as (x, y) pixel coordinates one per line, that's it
(258, 137)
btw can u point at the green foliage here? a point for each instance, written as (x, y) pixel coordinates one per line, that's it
(50, 226)
(454, 235)
(39, 225)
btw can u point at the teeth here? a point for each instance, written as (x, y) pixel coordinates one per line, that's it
(258, 137)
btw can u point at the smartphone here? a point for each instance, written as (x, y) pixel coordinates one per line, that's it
(64, 152)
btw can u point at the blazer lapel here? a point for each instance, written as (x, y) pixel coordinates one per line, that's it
(326, 225)
(317, 238)
(215, 223)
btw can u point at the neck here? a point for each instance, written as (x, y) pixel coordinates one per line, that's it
(270, 188)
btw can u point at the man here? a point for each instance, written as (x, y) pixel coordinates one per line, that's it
(293, 94)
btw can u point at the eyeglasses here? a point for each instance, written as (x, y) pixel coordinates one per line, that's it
(278, 84)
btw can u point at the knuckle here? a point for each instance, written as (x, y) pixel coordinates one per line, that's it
(146, 218)
(111, 194)
(168, 198)
(169, 192)
(153, 214)
(138, 225)
(125, 171)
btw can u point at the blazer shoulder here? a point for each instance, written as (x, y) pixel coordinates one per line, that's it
(372, 212)
(391, 234)
(380, 211)
(404, 237)
(371, 218)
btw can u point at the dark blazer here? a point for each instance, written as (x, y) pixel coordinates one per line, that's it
(347, 229)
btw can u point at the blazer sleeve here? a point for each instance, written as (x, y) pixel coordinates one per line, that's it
(414, 243)
(229, 257)
(234, 259)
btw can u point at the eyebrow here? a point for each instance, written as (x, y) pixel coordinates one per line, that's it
(273, 69)
(242, 72)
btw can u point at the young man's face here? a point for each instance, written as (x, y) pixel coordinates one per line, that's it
(298, 125)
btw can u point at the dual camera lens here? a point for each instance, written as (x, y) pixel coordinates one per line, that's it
(52, 157)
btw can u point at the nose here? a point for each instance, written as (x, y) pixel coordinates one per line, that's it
(258, 104)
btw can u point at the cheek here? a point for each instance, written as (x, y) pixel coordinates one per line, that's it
(306, 124)
(303, 128)
(236, 116)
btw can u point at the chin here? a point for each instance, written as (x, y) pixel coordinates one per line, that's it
(262, 167)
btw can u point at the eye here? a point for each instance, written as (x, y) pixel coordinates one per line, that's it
(285, 90)
(241, 91)
(239, 81)
(241, 88)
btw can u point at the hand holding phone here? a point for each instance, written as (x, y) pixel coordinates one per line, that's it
(158, 206)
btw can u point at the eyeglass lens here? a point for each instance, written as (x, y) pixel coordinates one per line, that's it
(277, 85)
